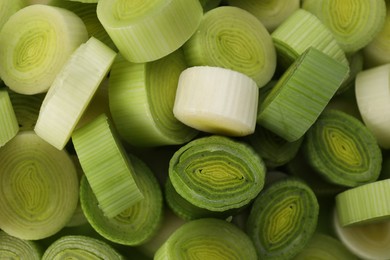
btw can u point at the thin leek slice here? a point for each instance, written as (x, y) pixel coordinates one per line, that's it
(80, 247)
(8, 120)
(342, 149)
(232, 38)
(135, 225)
(149, 30)
(353, 23)
(141, 99)
(8, 8)
(208, 237)
(39, 187)
(301, 94)
(217, 100)
(283, 219)
(217, 173)
(106, 166)
(15, 248)
(72, 90)
(32, 56)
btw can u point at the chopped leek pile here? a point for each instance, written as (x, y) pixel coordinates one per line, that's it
(195, 129)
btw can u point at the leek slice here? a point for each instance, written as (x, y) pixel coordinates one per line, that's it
(45, 39)
(15, 248)
(207, 238)
(8, 120)
(8, 8)
(233, 38)
(141, 99)
(39, 187)
(353, 23)
(283, 219)
(301, 94)
(106, 166)
(149, 30)
(72, 90)
(217, 100)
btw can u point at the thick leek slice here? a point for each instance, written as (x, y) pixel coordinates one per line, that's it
(32, 55)
(353, 23)
(301, 94)
(39, 187)
(8, 8)
(207, 238)
(15, 248)
(72, 90)
(106, 166)
(283, 219)
(233, 38)
(217, 100)
(149, 30)
(141, 99)
(8, 121)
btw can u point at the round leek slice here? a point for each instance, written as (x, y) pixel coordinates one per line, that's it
(33, 54)
(232, 38)
(149, 30)
(39, 187)
(8, 120)
(15, 248)
(207, 238)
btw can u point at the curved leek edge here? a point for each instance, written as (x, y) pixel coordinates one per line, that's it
(301, 94)
(303, 30)
(79, 246)
(8, 121)
(135, 225)
(271, 13)
(283, 219)
(232, 38)
(325, 247)
(215, 238)
(353, 23)
(367, 241)
(147, 31)
(364, 204)
(373, 101)
(217, 100)
(72, 91)
(15, 248)
(141, 98)
(39, 187)
(8, 8)
(207, 5)
(106, 166)
(342, 149)
(356, 63)
(34, 54)
(217, 173)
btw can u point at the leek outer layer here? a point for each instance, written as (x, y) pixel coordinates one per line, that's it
(8, 121)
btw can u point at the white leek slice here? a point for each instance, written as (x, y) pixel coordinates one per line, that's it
(72, 90)
(8, 121)
(217, 100)
(372, 89)
(35, 43)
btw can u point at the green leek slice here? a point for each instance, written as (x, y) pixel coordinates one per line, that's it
(32, 55)
(233, 38)
(207, 238)
(283, 219)
(149, 30)
(8, 121)
(15, 248)
(39, 187)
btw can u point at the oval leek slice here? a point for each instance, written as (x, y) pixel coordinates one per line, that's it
(39, 187)
(149, 30)
(34, 54)
(14, 248)
(283, 219)
(232, 38)
(208, 237)
(8, 121)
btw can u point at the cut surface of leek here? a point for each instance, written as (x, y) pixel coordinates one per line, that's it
(8, 121)
(33, 54)
(14, 248)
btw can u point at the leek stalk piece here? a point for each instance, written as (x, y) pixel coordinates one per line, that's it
(232, 38)
(149, 30)
(72, 90)
(141, 99)
(301, 94)
(8, 8)
(15, 248)
(207, 238)
(46, 37)
(39, 187)
(106, 166)
(8, 121)
(217, 100)
(283, 219)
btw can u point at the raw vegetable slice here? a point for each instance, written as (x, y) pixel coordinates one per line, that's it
(14, 248)
(8, 121)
